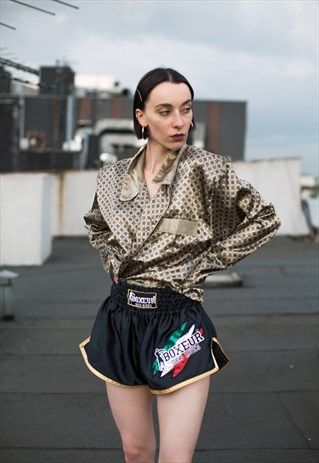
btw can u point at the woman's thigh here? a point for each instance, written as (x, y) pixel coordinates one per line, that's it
(180, 415)
(132, 412)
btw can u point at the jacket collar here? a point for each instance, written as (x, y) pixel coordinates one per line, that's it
(134, 177)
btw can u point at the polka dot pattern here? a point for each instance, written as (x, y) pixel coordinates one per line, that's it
(231, 218)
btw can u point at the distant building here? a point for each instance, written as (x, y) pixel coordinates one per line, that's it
(221, 125)
(75, 121)
(56, 80)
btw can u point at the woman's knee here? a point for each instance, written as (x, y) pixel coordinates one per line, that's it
(139, 453)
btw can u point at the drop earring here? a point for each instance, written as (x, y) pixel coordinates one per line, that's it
(143, 128)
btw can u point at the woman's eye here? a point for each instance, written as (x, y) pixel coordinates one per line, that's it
(167, 112)
(187, 109)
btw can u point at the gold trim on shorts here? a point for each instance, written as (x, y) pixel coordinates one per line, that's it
(154, 391)
(97, 373)
(195, 378)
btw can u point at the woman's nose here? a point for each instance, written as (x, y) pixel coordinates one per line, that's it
(178, 120)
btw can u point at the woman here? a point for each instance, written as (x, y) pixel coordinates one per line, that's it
(163, 221)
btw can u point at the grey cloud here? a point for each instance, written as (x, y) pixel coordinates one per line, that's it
(265, 27)
(263, 52)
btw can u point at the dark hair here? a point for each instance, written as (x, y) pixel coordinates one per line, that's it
(145, 86)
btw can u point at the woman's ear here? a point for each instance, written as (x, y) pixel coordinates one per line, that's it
(140, 116)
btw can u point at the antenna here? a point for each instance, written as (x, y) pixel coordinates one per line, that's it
(7, 25)
(34, 7)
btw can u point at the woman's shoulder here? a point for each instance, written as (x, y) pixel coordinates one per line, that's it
(113, 168)
(110, 176)
(211, 163)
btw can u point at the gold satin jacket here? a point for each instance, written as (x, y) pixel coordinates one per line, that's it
(202, 220)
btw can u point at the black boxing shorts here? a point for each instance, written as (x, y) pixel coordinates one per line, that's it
(152, 336)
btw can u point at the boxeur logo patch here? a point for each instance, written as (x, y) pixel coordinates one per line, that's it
(179, 347)
(141, 300)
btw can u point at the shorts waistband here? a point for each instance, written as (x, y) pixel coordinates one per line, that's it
(149, 298)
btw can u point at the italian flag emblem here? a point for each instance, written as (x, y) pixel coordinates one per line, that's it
(177, 351)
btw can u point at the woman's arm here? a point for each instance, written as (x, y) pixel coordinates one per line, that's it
(99, 236)
(98, 230)
(245, 219)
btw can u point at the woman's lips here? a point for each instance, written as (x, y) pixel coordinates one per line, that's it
(177, 137)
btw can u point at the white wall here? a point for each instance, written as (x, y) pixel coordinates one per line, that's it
(76, 197)
(72, 196)
(35, 207)
(26, 235)
(279, 181)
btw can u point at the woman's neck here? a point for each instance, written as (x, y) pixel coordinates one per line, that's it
(154, 157)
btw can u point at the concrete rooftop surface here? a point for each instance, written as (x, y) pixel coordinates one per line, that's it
(263, 407)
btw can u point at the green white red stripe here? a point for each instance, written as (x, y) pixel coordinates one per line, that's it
(177, 351)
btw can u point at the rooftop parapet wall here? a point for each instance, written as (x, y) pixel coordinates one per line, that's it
(36, 207)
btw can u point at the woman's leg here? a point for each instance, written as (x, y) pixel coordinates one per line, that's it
(180, 415)
(132, 412)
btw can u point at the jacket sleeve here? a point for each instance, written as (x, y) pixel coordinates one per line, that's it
(244, 219)
(98, 230)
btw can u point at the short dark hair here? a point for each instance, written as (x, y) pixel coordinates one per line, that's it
(150, 80)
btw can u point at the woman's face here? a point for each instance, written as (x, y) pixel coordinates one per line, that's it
(167, 114)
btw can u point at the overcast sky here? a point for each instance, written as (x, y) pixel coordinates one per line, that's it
(262, 52)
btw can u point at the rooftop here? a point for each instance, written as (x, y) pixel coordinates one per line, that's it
(263, 406)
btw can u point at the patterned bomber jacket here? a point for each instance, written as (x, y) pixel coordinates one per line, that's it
(202, 220)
